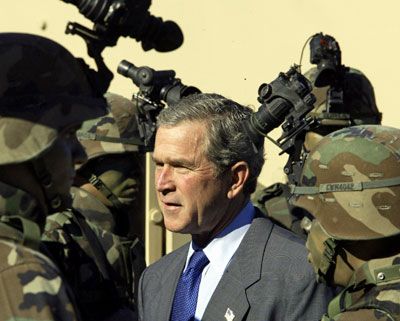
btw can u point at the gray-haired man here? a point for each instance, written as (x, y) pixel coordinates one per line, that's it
(239, 265)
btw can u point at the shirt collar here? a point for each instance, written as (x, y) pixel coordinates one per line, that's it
(225, 243)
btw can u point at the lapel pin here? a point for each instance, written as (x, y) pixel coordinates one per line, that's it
(229, 315)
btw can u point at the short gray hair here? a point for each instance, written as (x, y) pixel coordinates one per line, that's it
(226, 141)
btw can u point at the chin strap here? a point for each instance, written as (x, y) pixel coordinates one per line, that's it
(328, 260)
(98, 183)
(53, 198)
(325, 267)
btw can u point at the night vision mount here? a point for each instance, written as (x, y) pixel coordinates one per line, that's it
(286, 100)
(156, 89)
(127, 18)
(325, 53)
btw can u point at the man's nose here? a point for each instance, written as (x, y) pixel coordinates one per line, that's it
(164, 179)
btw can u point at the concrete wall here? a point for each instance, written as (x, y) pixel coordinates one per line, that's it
(232, 46)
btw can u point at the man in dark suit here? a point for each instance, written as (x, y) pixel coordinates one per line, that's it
(239, 265)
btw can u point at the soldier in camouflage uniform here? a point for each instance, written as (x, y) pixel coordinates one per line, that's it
(112, 177)
(358, 107)
(350, 183)
(102, 267)
(45, 95)
(109, 187)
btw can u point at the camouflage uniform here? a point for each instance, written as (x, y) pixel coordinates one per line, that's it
(351, 184)
(30, 284)
(273, 202)
(368, 297)
(114, 134)
(94, 211)
(359, 107)
(43, 90)
(102, 267)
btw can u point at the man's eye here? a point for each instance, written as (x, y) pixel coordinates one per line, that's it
(158, 165)
(182, 170)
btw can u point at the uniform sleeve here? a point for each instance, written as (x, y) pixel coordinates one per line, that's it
(34, 291)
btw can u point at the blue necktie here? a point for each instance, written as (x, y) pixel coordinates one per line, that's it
(185, 300)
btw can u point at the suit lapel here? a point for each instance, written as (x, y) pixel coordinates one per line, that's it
(229, 301)
(169, 276)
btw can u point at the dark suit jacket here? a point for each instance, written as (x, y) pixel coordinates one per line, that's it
(268, 278)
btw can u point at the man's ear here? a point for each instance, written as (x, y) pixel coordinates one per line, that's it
(239, 175)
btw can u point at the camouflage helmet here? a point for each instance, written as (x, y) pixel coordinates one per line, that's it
(115, 133)
(351, 183)
(43, 89)
(358, 102)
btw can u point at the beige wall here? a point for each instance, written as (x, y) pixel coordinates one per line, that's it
(232, 46)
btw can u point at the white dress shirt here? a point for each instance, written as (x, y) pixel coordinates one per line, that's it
(220, 252)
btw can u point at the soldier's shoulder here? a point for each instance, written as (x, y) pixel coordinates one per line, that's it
(364, 314)
(56, 225)
(262, 193)
(92, 209)
(31, 285)
(272, 201)
(15, 255)
(84, 199)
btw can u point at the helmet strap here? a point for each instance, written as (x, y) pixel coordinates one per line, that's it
(328, 262)
(99, 184)
(52, 197)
